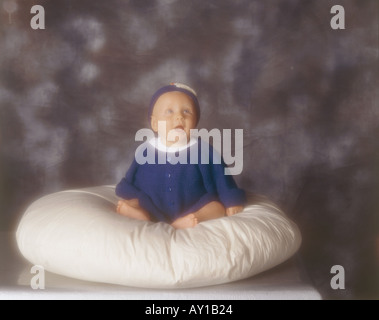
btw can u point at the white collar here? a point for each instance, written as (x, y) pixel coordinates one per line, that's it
(157, 143)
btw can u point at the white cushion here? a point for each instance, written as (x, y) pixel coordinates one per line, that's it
(77, 233)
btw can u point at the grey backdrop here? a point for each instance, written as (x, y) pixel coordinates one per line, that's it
(72, 97)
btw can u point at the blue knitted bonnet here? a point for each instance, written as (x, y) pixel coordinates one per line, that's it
(175, 86)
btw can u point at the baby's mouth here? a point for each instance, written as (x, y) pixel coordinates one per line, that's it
(179, 128)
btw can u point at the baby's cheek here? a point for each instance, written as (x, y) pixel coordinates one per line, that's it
(191, 124)
(164, 130)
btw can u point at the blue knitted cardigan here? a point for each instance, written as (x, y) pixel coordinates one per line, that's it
(169, 191)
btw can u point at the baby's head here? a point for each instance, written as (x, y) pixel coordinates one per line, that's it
(177, 106)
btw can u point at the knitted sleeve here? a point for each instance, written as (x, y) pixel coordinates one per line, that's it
(228, 192)
(126, 189)
(220, 187)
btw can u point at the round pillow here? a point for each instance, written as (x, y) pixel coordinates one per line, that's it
(77, 233)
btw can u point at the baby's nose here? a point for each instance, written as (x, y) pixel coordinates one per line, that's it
(179, 116)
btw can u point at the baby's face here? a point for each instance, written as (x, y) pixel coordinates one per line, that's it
(178, 111)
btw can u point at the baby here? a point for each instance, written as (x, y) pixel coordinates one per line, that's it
(181, 194)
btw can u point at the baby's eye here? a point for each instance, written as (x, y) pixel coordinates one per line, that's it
(168, 111)
(187, 111)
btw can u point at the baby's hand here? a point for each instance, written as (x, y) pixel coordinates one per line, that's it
(233, 210)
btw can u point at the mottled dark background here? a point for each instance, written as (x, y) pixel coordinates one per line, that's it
(72, 97)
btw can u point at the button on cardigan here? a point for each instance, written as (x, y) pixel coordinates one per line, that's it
(168, 191)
